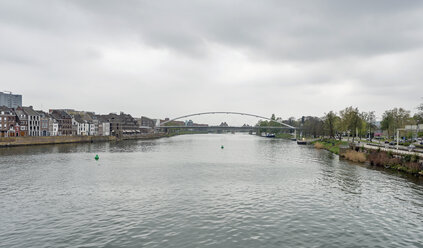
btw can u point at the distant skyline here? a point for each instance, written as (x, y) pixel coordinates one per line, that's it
(169, 58)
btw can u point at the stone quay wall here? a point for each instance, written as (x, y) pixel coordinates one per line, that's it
(51, 140)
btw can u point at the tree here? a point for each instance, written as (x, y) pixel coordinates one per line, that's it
(418, 117)
(388, 122)
(274, 122)
(313, 126)
(394, 119)
(369, 118)
(329, 121)
(291, 121)
(351, 120)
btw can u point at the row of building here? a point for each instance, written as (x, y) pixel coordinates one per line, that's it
(25, 121)
(17, 120)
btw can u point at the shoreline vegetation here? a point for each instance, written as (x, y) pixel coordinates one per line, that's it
(408, 163)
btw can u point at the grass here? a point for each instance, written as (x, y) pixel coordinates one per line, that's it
(319, 145)
(330, 145)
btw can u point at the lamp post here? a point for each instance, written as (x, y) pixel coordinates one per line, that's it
(398, 130)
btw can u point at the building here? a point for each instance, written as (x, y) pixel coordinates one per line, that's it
(21, 128)
(10, 100)
(103, 125)
(44, 123)
(122, 124)
(189, 123)
(53, 126)
(83, 123)
(223, 124)
(7, 122)
(64, 121)
(103, 129)
(172, 123)
(83, 126)
(33, 121)
(147, 122)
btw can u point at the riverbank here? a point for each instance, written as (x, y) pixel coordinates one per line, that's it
(409, 163)
(52, 140)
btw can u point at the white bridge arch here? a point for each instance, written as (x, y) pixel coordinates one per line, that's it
(224, 112)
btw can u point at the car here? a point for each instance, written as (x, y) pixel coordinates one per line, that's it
(392, 143)
(411, 147)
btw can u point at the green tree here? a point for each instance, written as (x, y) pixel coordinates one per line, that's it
(351, 120)
(418, 117)
(330, 119)
(394, 119)
(388, 122)
(369, 119)
(313, 126)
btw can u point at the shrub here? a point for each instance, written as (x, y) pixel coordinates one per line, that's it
(355, 156)
(414, 158)
(319, 145)
(413, 167)
(384, 159)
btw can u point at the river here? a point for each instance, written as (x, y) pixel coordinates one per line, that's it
(186, 191)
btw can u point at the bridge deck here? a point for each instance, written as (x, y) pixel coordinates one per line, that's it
(219, 127)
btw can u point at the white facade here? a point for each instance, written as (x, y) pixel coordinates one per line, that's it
(33, 125)
(104, 129)
(76, 125)
(34, 121)
(85, 128)
(92, 129)
(53, 127)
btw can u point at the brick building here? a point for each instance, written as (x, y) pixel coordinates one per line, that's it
(7, 122)
(64, 121)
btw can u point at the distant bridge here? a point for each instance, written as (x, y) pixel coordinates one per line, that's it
(227, 128)
(228, 113)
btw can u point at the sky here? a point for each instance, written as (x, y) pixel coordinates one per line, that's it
(171, 58)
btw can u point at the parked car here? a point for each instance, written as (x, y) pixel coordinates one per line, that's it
(411, 147)
(392, 143)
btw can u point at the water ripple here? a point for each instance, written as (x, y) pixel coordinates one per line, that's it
(187, 192)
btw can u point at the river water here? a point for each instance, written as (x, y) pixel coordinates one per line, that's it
(186, 191)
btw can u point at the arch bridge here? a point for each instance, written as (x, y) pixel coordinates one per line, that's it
(285, 126)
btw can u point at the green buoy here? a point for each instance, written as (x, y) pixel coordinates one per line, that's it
(222, 147)
(96, 157)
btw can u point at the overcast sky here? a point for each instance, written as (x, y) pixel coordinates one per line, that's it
(170, 58)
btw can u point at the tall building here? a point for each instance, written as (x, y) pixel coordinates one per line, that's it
(10, 100)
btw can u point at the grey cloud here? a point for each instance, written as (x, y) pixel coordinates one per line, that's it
(271, 29)
(177, 50)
